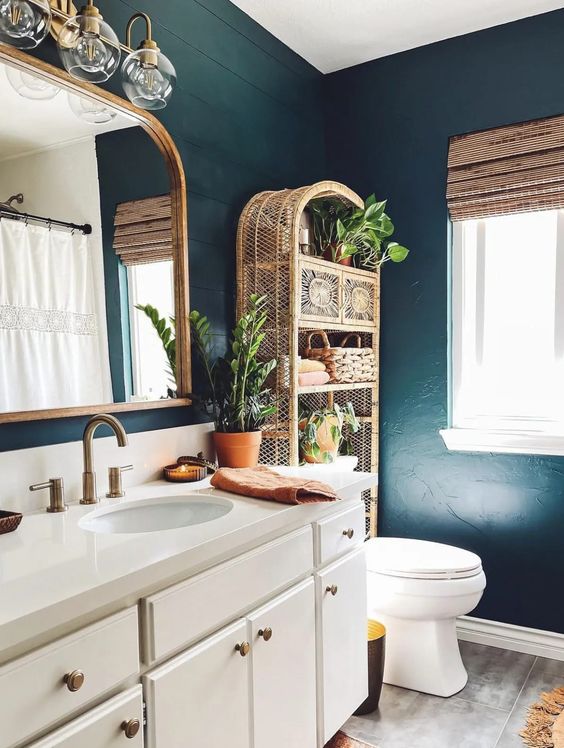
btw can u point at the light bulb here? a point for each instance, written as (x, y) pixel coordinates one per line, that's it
(88, 47)
(148, 78)
(30, 86)
(90, 110)
(24, 23)
(91, 53)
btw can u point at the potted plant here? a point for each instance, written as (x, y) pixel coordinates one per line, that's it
(324, 432)
(166, 330)
(235, 394)
(342, 232)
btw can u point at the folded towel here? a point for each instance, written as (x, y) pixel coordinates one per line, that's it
(309, 364)
(313, 377)
(263, 483)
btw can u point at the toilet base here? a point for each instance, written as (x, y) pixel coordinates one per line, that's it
(423, 655)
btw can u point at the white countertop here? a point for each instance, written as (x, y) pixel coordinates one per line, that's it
(53, 571)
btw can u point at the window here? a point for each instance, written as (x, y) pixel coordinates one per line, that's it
(505, 196)
(507, 344)
(151, 283)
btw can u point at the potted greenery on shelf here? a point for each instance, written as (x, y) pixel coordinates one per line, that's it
(343, 233)
(324, 434)
(235, 393)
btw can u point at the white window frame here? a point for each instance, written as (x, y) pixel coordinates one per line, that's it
(515, 436)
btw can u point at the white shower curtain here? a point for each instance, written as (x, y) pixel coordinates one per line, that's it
(51, 352)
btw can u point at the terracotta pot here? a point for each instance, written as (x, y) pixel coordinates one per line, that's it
(328, 255)
(237, 450)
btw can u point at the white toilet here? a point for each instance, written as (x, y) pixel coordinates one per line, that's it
(417, 589)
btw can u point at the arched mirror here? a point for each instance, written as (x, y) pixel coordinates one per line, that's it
(93, 250)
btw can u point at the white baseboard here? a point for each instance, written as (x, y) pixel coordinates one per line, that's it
(508, 636)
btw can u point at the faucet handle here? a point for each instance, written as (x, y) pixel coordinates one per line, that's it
(56, 494)
(114, 475)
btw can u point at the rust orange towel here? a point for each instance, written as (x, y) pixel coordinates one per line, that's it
(263, 483)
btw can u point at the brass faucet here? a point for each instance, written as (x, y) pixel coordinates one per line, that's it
(88, 474)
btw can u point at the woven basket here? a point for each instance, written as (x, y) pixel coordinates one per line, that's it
(9, 521)
(344, 365)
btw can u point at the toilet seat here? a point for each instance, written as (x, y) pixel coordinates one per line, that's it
(420, 559)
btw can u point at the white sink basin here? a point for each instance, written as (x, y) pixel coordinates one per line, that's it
(151, 515)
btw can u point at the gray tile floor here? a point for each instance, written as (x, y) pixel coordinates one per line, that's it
(488, 713)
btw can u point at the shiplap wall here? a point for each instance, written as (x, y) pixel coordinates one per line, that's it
(246, 116)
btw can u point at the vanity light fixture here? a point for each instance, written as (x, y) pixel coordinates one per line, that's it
(24, 23)
(91, 111)
(88, 46)
(147, 75)
(30, 86)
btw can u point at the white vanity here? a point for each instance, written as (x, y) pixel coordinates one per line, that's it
(245, 630)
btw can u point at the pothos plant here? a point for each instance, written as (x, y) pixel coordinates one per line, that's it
(326, 433)
(235, 393)
(342, 232)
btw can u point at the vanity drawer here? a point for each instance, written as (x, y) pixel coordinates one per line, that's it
(105, 726)
(340, 533)
(33, 691)
(188, 611)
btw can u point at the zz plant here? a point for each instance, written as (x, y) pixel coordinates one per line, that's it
(235, 392)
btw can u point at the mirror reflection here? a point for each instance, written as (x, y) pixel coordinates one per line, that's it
(86, 272)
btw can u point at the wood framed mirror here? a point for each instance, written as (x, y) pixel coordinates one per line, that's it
(77, 331)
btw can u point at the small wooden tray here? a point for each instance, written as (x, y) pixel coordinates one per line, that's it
(9, 521)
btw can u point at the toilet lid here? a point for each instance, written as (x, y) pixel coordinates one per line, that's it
(420, 559)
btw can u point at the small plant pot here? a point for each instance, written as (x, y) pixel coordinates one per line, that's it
(333, 254)
(237, 450)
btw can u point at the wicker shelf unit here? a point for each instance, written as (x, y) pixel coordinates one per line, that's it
(304, 294)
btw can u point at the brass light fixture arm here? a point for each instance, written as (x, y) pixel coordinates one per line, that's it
(57, 12)
(129, 27)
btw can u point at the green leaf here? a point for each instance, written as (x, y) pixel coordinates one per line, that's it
(341, 231)
(397, 253)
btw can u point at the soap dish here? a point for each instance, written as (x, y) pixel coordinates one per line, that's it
(9, 521)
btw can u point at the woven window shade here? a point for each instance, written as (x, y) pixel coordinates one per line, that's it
(143, 231)
(513, 169)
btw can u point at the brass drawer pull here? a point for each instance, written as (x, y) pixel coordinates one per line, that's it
(74, 680)
(348, 533)
(244, 648)
(333, 589)
(131, 727)
(266, 633)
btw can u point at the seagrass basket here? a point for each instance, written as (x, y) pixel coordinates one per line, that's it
(344, 365)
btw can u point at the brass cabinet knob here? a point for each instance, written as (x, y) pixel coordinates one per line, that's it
(348, 533)
(74, 680)
(131, 727)
(244, 648)
(333, 589)
(266, 633)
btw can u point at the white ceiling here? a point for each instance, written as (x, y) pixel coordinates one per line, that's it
(28, 125)
(335, 34)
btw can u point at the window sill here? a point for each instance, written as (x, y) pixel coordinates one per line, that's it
(510, 442)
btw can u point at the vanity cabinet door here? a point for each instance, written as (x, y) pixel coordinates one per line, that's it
(342, 648)
(200, 699)
(282, 634)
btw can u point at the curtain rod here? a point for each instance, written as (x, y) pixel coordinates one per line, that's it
(85, 228)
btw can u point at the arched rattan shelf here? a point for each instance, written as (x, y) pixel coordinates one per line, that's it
(269, 262)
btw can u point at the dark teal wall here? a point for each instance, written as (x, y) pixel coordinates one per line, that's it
(246, 116)
(389, 122)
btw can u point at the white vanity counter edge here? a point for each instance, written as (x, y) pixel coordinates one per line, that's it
(54, 574)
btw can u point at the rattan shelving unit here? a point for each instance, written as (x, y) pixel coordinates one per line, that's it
(307, 293)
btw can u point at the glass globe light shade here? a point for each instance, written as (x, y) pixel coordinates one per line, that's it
(24, 23)
(89, 48)
(148, 78)
(90, 110)
(30, 86)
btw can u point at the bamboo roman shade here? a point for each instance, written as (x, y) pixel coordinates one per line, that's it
(143, 230)
(513, 169)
